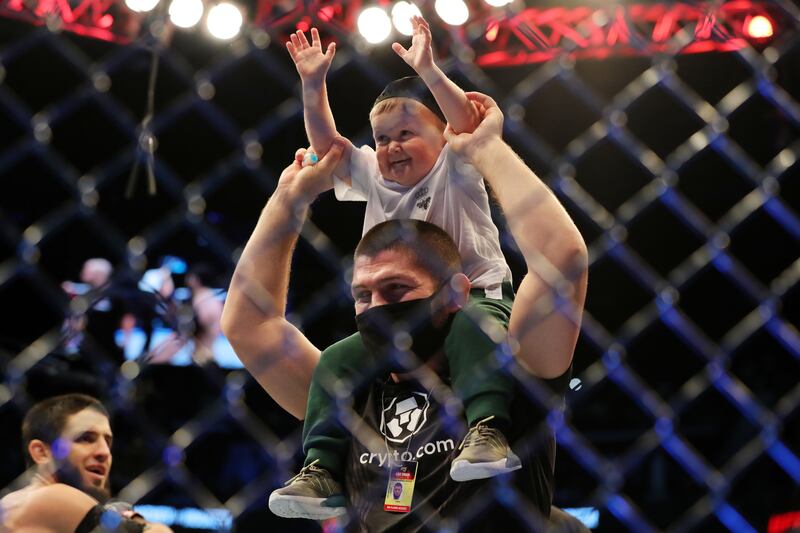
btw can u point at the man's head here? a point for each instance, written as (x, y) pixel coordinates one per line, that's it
(96, 272)
(397, 490)
(401, 260)
(408, 129)
(68, 438)
(201, 275)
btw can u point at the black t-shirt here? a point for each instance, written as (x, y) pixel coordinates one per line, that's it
(407, 421)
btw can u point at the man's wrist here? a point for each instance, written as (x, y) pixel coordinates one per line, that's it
(483, 151)
(289, 193)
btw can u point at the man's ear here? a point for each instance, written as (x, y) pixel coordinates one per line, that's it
(39, 451)
(459, 287)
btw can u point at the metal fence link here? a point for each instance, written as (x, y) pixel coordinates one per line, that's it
(680, 171)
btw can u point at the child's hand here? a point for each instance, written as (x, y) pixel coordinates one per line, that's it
(420, 55)
(311, 63)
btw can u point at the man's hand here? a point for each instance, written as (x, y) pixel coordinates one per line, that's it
(312, 180)
(311, 63)
(420, 55)
(489, 129)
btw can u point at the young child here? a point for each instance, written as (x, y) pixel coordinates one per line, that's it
(410, 174)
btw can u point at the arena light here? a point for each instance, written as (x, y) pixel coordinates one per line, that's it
(498, 3)
(452, 12)
(758, 27)
(374, 25)
(141, 6)
(224, 21)
(185, 13)
(401, 16)
(492, 30)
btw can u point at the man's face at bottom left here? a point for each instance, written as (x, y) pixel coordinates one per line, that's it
(83, 454)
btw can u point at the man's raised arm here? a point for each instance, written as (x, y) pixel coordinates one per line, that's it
(546, 315)
(276, 353)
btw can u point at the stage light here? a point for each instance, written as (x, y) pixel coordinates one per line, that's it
(401, 16)
(224, 21)
(185, 13)
(141, 6)
(498, 3)
(326, 13)
(374, 25)
(452, 12)
(758, 27)
(492, 29)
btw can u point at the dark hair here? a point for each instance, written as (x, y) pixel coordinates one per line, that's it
(411, 87)
(431, 246)
(204, 273)
(46, 420)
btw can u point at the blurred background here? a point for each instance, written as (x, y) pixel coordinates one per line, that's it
(139, 142)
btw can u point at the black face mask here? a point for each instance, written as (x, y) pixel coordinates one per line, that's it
(380, 327)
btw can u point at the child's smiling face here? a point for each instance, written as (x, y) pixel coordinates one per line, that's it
(408, 140)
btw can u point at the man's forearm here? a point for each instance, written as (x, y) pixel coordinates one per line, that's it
(319, 122)
(260, 281)
(538, 221)
(452, 100)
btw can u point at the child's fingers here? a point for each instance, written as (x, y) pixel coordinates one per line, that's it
(315, 40)
(331, 51)
(295, 40)
(399, 49)
(302, 37)
(291, 49)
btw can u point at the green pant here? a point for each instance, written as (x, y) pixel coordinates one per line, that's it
(345, 370)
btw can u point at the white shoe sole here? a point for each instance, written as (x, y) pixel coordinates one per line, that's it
(463, 470)
(303, 507)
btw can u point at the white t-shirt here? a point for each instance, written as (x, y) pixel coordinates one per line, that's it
(452, 196)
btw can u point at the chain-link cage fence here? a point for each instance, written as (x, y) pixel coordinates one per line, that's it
(679, 169)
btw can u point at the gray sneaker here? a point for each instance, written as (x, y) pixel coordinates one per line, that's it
(484, 453)
(313, 494)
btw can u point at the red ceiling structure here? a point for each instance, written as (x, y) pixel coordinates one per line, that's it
(498, 36)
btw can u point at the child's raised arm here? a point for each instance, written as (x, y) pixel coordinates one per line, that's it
(458, 110)
(312, 65)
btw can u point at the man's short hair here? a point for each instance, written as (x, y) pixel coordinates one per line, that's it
(46, 420)
(431, 247)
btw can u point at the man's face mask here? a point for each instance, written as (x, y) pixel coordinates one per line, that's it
(390, 331)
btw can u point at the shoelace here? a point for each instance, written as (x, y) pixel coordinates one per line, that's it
(477, 434)
(309, 471)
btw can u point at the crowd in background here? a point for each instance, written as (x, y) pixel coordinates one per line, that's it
(168, 315)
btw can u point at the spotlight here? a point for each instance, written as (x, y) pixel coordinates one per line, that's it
(141, 6)
(326, 13)
(498, 3)
(224, 21)
(492, 29)
(758, 27)
(452, 12)
(185, 13)
(374, 25)
(401, 16)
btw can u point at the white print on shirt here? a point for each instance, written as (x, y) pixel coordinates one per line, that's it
(430, 448)
(404, 417)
